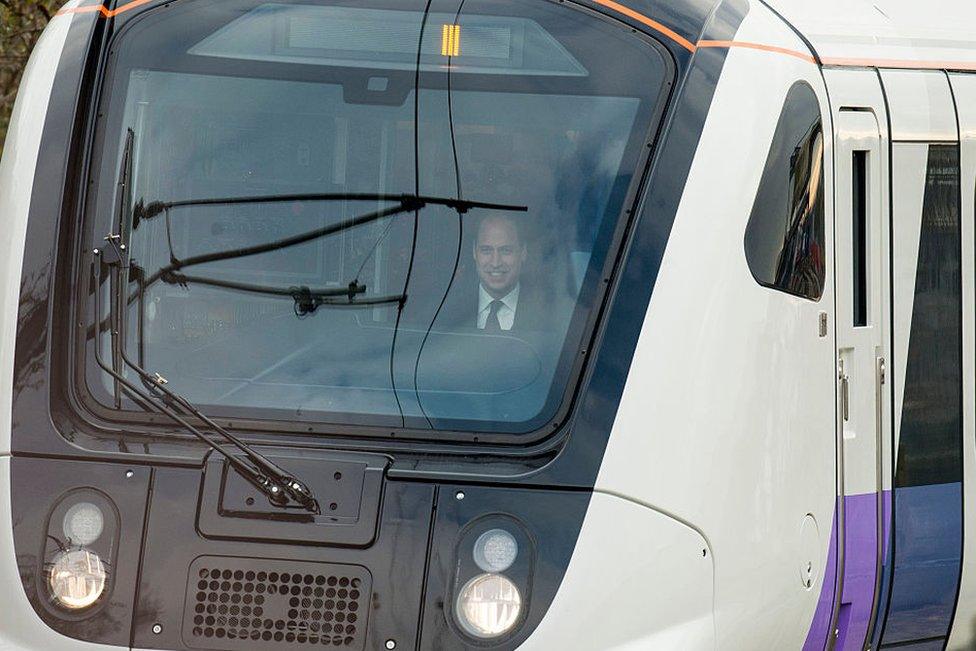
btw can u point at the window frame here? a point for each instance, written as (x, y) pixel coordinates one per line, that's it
(822, 200)
(98, 144)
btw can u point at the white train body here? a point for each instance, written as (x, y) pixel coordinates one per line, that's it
(767, 440)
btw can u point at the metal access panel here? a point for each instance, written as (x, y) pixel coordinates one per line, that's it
(247, 604)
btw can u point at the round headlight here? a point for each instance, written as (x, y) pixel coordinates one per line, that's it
(83, 523)
(495, 550)
(488, 606)
(77, 578)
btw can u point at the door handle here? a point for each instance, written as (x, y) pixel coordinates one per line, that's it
(845, 391)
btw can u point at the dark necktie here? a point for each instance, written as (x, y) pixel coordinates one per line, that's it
(492, 324)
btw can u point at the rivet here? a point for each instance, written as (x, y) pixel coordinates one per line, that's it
(157, 629)
(459, 495)
(129, 474)
(391, 644)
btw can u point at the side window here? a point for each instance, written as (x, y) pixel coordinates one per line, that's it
(784, 241)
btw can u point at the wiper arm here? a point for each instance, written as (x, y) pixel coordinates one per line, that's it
(281, 487)
(275, 482)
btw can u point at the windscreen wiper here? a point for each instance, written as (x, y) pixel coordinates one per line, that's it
(403, 203)
(281, 487)
(307, 300)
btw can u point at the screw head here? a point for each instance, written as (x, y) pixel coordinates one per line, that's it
(157, 629)
(459, 495)
(129, 474)
(391, 644)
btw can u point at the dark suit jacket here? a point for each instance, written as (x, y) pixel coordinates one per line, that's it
(533, 312)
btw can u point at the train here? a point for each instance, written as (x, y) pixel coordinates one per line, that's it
(491, 324)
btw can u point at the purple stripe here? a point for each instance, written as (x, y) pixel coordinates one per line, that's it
(860, 553)
(860, 563)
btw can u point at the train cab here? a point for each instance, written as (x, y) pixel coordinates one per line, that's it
(490, 324)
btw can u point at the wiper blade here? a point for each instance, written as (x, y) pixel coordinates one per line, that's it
(404, 203)
(153, 209)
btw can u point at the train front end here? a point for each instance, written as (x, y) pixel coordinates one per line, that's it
(317, 316)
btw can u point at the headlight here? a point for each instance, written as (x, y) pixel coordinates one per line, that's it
(488, 606)
(83, 524)
(495, 550)
(77, 578)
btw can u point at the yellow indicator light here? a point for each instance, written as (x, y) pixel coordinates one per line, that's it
(450, 40)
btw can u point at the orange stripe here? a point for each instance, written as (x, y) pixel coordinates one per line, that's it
(674, 36)
(653, 24)
(87, 9)
(610, 4)
(758, 46)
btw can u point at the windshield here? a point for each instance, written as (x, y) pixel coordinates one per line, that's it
(527, 104)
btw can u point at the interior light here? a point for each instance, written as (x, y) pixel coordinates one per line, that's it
(495, 550)
(77, 578)
(83, 523)
(488, 606)
(450, 40)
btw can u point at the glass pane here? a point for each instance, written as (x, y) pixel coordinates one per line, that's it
(253, 103)
(784, 239)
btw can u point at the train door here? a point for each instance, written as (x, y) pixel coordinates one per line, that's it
(963, 635)
(863, 309)
(924, 558)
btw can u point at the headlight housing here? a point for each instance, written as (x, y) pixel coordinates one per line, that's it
(488, 606)
(80, 549)
(495, 550)
(77, 578)
(83, 524)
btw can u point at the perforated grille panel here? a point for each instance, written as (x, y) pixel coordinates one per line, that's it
(242, 603)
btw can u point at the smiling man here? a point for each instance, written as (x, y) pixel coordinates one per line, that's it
(500, 253)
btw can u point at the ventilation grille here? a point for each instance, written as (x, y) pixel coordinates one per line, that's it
(241, 603)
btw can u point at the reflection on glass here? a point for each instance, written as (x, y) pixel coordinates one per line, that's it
(784, 240)
(496, 301)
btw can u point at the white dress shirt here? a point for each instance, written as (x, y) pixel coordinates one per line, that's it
(506, 313)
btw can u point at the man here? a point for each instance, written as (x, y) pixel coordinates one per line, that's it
(499, 255)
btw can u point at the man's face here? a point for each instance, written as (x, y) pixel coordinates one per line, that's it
(499, 255)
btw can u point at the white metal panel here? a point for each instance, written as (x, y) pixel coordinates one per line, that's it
(963, 633)
(637, 580)
(920, 104)
(936, 33)
(17, 168)
(727, 419)
(859, 90)
(858, 347)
